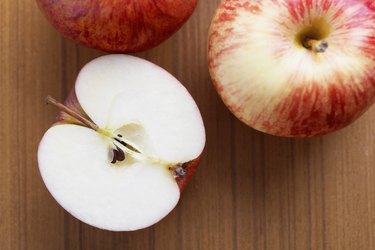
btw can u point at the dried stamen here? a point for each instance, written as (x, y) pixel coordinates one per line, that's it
(180, 171)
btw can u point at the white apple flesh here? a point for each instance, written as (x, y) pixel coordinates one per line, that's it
(134, 110)
(295, 68)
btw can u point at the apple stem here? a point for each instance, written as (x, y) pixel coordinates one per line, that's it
(318, 46)
(71, 112)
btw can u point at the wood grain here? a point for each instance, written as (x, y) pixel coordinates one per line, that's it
(252, 191)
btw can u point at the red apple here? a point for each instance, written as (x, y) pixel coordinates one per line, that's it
(295, 68)
(118, 26)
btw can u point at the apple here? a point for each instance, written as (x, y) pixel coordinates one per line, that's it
(118, 26)
(294, 68)
(127, 140)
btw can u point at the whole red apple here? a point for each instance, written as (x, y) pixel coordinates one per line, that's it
(118, 25)
(295, 68)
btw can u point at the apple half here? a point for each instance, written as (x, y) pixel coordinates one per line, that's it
(128, 139)
(295, 68)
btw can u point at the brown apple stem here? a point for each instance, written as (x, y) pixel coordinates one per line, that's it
(69, 111)
(318, 46)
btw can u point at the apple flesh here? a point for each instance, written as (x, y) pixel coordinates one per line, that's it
(295, 68)
(118, 26)
(127, 141)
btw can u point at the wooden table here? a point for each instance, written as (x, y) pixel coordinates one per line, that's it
(252, 191)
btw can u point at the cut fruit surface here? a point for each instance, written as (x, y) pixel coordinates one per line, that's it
(115, 90)
(120, 174)
(85, 183)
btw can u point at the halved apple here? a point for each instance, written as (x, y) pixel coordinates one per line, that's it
(128, 139)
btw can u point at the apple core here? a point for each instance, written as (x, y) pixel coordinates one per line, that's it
(119, 146)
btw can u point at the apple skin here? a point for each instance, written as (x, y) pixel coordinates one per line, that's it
(291, 99)
(190, 168)
(118, 26)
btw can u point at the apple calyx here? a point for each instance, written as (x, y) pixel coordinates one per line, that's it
(120, 147)
(317, 46)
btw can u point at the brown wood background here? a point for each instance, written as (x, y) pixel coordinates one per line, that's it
(252, 191)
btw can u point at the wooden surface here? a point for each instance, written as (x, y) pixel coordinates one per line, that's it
(252, 191)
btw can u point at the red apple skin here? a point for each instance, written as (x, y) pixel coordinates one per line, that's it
(118, 25)
(190, 168)
(299, 108)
